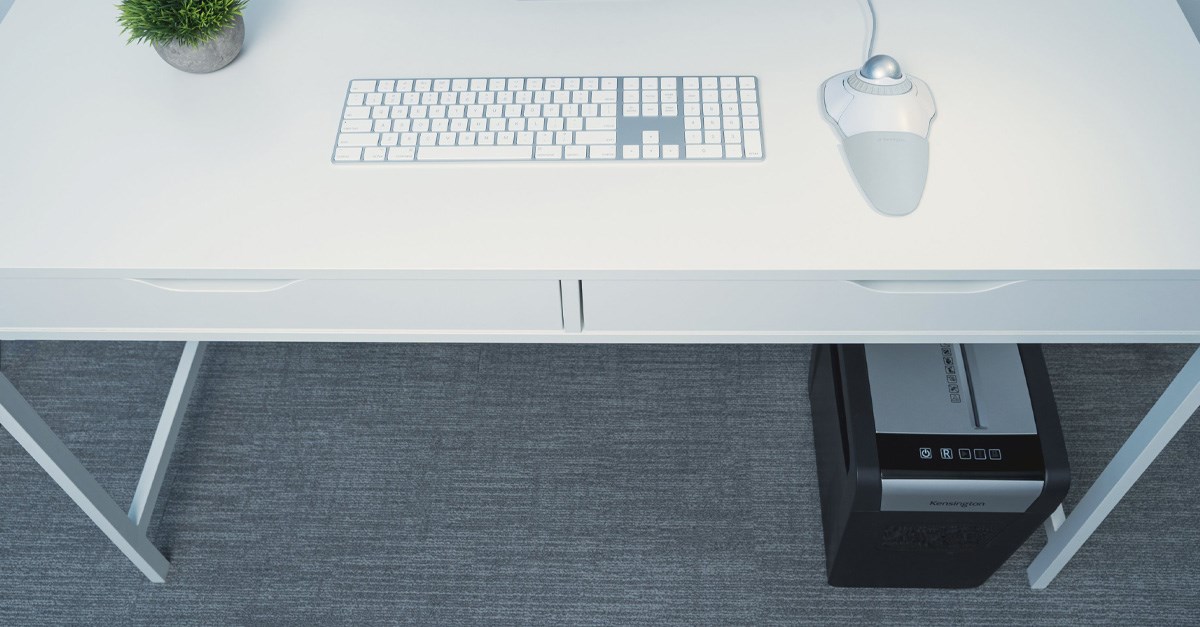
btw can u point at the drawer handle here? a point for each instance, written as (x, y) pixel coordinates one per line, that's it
(218, 286)
(933, 287)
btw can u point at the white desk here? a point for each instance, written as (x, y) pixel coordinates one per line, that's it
(143, 203)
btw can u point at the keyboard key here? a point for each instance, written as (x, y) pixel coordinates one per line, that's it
(603, 152)
(475, 153)
(358, 139)
(374, 154)
(595, 137)
(704, 151)
(355, 99)
(575, 152)
(548, 152)
(401, 153)
(347, 154)
(670, 151)
(361, 126)
(753, 144)
(361, 87)
(650, 152)
(631, 151)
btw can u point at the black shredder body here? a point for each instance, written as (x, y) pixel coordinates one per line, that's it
(935, 461)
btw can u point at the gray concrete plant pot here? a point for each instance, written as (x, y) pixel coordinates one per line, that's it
(209, 56)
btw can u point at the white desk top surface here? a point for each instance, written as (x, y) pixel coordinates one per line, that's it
(1065, 145)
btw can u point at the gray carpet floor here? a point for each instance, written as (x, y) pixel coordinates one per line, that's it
(528, 484)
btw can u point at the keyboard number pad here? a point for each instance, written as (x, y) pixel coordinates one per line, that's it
(563, 119)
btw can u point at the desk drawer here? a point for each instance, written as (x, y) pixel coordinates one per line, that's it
(900, 307)
(326, 305)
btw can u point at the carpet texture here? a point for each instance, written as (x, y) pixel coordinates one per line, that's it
(529, 485)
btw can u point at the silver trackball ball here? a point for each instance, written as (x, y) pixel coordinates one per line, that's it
(880, 67)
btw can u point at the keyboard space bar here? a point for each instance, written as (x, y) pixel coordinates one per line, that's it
(475, 153)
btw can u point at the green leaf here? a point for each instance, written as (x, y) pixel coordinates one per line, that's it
(190, 22)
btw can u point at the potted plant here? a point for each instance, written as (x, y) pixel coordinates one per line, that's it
(195, 36)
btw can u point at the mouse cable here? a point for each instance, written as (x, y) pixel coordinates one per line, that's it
(871, 39)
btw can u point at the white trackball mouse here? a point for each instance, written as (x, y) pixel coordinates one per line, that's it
(883, 117)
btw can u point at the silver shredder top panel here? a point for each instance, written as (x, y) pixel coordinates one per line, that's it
(967, 389)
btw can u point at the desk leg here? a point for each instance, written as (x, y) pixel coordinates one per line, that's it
(126, 531)
(1166, 417)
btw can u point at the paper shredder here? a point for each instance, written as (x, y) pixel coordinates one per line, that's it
(935, 461)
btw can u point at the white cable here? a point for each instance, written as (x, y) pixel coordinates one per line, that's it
(871, 39)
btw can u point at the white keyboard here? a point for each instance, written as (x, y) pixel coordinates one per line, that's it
(626, 118)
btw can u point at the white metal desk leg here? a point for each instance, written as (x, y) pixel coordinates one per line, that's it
(146, 494)
(20, 419)
(1174, 407)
